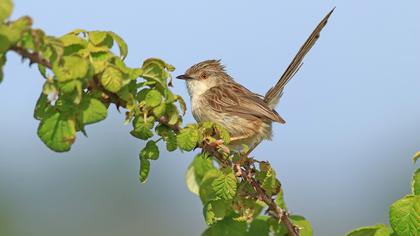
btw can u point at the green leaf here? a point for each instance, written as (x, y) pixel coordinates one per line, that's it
(57, 132)
(160, 110)
(303, 224)
(142, 128)
(121, 44)
(206, 190)
(72, 67)
(374, 230)
(144, 169)
(223, 133)
(72, 39)
(188, 137)
(214, 211)
(112, 79)
(153, 98)
(168, 135)
(97, 37)
(153, 69)
(4, 43)
(72, 44)
(171, 143)
(415, 183)
(280, 200)
(415, 157)
(191, 180)
(270, 184)
(6, 7)
(404, 216)
(172, 114)
(225, 185)
(93, 110)
(226, 227)
(42, 107)
(196, 171)
(150, 151)
(259, 227)
(182, 104)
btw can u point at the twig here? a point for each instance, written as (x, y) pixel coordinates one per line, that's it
(33, 57)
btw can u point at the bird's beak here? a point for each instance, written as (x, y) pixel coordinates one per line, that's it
(183, 77)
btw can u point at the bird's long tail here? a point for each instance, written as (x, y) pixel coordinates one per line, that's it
(273, 95)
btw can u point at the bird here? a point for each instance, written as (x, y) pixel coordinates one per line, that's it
(247, 116)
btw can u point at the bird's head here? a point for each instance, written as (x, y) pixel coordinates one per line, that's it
(203, 76)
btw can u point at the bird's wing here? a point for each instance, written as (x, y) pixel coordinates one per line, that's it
(273, 95)
(237, 100)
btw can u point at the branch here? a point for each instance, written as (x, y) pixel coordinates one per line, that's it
(245, 171)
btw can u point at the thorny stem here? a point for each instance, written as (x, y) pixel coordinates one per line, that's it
(245, 171)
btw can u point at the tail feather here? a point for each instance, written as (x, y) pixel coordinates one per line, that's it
(273, 95)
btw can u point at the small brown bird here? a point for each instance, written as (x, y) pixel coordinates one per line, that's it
(247, 116)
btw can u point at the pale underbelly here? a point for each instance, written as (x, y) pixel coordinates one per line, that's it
(245, 131)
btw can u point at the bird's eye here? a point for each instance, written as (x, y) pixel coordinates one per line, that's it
(203, 76)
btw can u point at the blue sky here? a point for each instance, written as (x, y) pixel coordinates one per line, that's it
(343, 156)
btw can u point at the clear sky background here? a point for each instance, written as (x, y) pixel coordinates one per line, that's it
(343, 156)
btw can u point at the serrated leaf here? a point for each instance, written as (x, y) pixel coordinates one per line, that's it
(142, 128)
(4, 42)
(112, 79)
(182, 104)
(71, 39)
(415, 183)
(72, 43)
(153, 98)
(374, 230)
(171, 144)
(259, 227)
(225, 185)
(42, 107)
(57, 132)
(72, 67)
(280, 200)
(150, 151)
(153, 69)
(48, 87)
(144, 169)
(172, 113)
(121, 44)
(303, 224)
(93, 110)
(196, 171)
(415, 157)
(206, 190)
(214, 211)
(160, 110)
(223, 133)
(141, 95)
(226, 227)
(404, 216)
(6, 8)
(97, 37)
(188, 137)
(267, 177)
(168, 135)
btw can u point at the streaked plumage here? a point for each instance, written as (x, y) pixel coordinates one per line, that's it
(248, 116)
